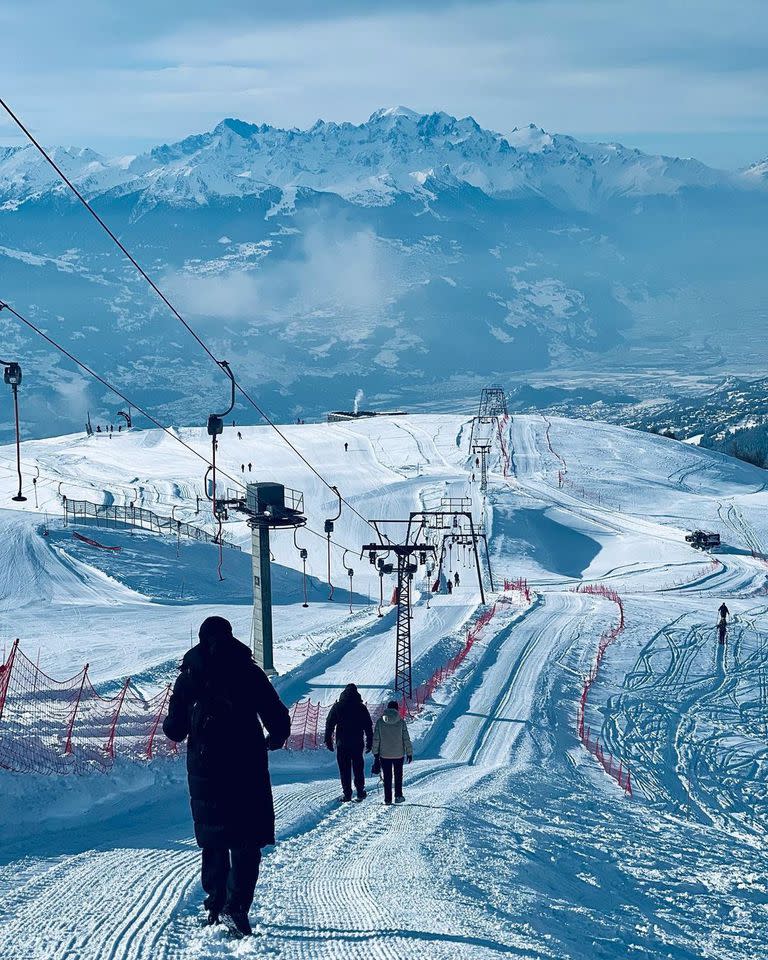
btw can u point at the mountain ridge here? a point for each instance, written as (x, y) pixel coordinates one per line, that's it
(393, 153)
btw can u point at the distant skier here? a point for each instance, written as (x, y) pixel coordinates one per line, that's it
(391, 747)
(220, 701)
(349, 722)
(239, 435)
(346, 447)
(456, 579)
(477, 461)
(242, 468)
(723, 611)
(449, 584)
(250, 467)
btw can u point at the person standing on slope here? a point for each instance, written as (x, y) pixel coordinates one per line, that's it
(723, 611)
(392, 746)
(219, 703)
(350, 722)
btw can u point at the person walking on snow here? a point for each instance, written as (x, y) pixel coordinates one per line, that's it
(449, 584)
(391, 747)
(346, 447)
(221, 704)
(350, 723)
(723, 611)
(456, 579)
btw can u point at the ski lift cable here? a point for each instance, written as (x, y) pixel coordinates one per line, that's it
(4, 305)
(60, 173)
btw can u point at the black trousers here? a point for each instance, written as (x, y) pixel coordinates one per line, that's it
(229, 877)
(351, 763)
(388, 767)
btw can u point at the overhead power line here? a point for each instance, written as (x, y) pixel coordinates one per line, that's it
(124, 397)
(110, 386)
(60, 173)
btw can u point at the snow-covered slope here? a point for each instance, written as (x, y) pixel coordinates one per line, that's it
(512, 840)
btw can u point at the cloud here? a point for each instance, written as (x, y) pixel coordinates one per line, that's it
(141, 73)
(341, 272)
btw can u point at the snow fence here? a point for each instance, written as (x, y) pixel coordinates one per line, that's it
(618, 772)
(66, 726)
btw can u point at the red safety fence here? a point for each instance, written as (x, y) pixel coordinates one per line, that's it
(619, 773)
(505, 456)
(520, 586)
(66, 726)
(94, 543)
(562, 472)
(308, 717)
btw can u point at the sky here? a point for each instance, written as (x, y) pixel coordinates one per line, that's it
(679, 77)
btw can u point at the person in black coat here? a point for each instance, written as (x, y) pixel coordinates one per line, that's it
(221, 702)
(350, 722)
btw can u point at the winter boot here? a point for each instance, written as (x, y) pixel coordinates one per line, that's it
(236, 921)
(400, 799)
(361, 796)
(345, 798)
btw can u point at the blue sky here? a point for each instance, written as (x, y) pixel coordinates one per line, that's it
(681, 77)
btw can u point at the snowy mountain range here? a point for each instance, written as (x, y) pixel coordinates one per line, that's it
(397, 151)
(392, 255)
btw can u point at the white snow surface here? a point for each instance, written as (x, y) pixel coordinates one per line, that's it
(512, 840)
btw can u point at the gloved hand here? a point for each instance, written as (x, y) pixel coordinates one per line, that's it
(272, 745)
(367, 749)
(330, 746)
(409, 759)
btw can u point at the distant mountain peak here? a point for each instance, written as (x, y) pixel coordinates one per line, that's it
(400, 111)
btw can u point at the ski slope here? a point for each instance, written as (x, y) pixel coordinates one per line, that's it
(512, 840)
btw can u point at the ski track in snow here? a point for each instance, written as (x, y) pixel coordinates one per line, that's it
(512, 841)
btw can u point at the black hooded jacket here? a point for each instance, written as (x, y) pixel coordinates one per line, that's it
(350, 721)
(219, 702)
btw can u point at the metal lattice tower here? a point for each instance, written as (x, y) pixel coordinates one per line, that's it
(493, 402)
(403, 677)
(482, 448)
(407, 554)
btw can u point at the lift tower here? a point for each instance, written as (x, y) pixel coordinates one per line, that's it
(268, 506)
(481, 448)
(406, 568)
(493, 402)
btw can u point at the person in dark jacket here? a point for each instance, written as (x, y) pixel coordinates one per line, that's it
(350, 722)
(221, 703)
(723, 611)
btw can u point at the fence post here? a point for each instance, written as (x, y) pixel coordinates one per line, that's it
(110, 748)
(314, 730)
(5, 676)
(156, 724)
(71, 726)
